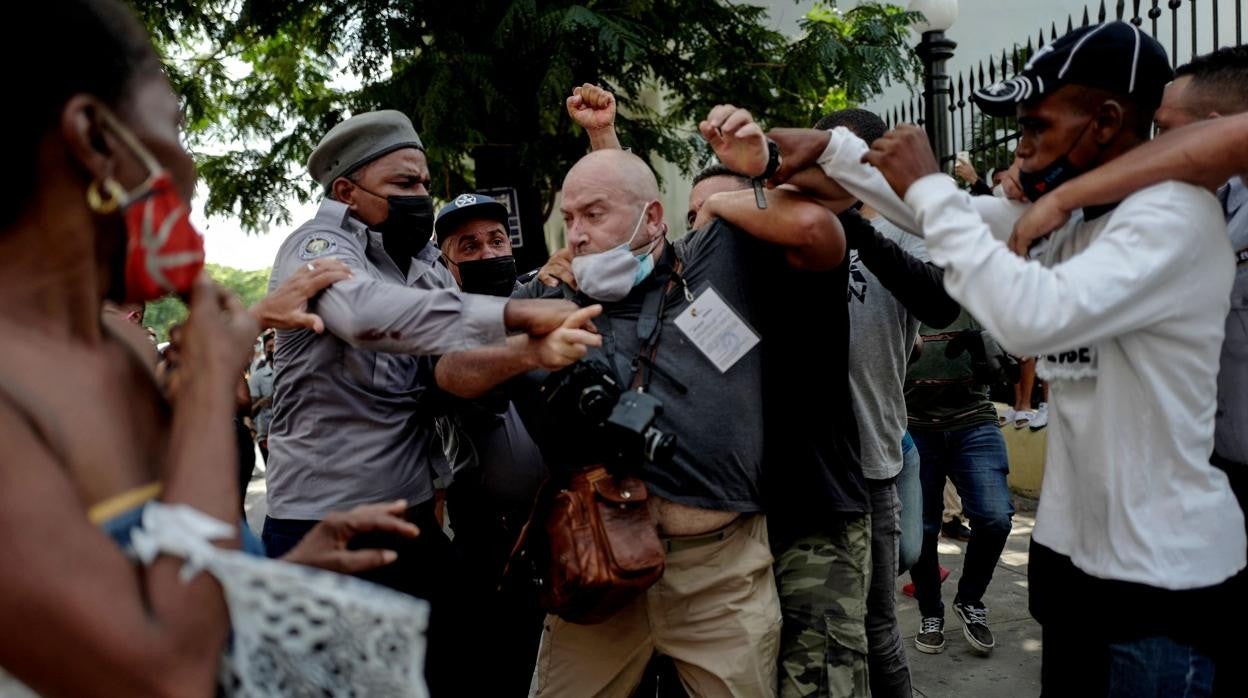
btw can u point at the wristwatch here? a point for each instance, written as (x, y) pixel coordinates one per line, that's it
(773, 164)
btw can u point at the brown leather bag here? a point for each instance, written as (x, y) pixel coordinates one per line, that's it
(604, 549)
(597, 548)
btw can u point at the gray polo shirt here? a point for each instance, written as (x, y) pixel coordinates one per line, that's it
(882, 332)
(347, 424)
(1231, 432)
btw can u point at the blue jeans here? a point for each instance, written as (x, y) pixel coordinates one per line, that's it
(975, 460)
(1105, 637)
(910, 492)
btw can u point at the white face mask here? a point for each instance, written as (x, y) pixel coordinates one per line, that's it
(999, 191)
(610, 275)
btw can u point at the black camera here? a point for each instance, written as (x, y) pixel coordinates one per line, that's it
(618, 424)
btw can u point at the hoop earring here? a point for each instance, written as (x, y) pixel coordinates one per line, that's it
(96, 201)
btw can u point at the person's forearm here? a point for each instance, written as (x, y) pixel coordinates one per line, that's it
(603, 139)
(202, 447)
(1206, 154)
(808, 231)
(387, 317)
(918, 285)
(473, 373)
(815, 184)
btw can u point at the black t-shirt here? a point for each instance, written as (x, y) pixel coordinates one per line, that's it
(814, 468)
(720, 421)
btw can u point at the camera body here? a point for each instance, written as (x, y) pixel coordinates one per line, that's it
(617, 424)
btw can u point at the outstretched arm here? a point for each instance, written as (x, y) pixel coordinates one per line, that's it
(473, 373)
(919, 285)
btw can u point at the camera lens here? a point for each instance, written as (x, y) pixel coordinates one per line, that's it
(595, 403)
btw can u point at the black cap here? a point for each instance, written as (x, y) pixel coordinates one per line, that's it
(1114, 56)
(467, 207)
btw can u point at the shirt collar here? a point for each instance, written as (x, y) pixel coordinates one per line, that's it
(338, 215)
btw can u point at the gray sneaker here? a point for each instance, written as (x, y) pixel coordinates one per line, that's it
(975, 627)
(931, 637)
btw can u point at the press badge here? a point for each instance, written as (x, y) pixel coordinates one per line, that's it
(716, 330)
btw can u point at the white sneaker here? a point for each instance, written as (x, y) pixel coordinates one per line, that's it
(1006, 417)
(1023, 418)
(1041, 420)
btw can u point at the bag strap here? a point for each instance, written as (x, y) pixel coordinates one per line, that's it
(650, 328)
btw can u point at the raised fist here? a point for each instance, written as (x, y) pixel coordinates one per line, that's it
(592, 107)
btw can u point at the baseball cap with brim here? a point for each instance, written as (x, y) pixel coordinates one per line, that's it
(358, 141)
(1114, 56)
(467, 207)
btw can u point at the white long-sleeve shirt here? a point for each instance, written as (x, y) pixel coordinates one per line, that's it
(1127, 314)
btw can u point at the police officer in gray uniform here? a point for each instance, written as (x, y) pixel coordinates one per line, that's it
(348, 426)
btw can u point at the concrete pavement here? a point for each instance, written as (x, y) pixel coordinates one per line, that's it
(1013, 669)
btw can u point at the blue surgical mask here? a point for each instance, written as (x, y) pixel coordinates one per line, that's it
(610, 275)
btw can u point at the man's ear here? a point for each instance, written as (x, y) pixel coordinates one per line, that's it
(1111, 119)
(654, 219)
(343, 189)
(89, 145)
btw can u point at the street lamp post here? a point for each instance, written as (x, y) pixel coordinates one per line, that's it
(935, 50)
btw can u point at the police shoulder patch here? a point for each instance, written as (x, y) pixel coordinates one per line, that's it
(316, 246)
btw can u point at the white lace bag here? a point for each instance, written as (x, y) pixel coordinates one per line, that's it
(295, 631)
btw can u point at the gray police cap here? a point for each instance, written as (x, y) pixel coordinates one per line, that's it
(358, 141)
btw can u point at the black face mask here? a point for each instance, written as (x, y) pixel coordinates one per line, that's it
(410, 216)
(495, 276)
(407, 227)
(1062, 170)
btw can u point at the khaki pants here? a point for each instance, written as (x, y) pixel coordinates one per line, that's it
(714, 612)
(953, 503)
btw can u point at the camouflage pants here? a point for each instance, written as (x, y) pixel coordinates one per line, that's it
(823, 582)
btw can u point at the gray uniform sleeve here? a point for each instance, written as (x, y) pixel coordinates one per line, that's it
(369, 313)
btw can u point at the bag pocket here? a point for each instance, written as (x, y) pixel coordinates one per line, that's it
(845, 656)
(630, 536)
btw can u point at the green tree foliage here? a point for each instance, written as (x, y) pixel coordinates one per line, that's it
(250, 286)
(485, 82)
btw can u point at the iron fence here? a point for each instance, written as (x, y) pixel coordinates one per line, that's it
(991, 141)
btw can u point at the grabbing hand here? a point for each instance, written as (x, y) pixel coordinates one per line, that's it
(592, 107)
(325, 546)
(536, 317)
(738, 142)
(903, 156)
(800, 148)
(1040, 219)
(286, 308)
(1011, 186)
(558, 268)
(569, 343)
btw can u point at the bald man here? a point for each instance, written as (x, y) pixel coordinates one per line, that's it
(683, 322)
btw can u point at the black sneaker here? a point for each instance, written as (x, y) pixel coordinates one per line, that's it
(931, 637)
(975, 627)
(955, 530)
